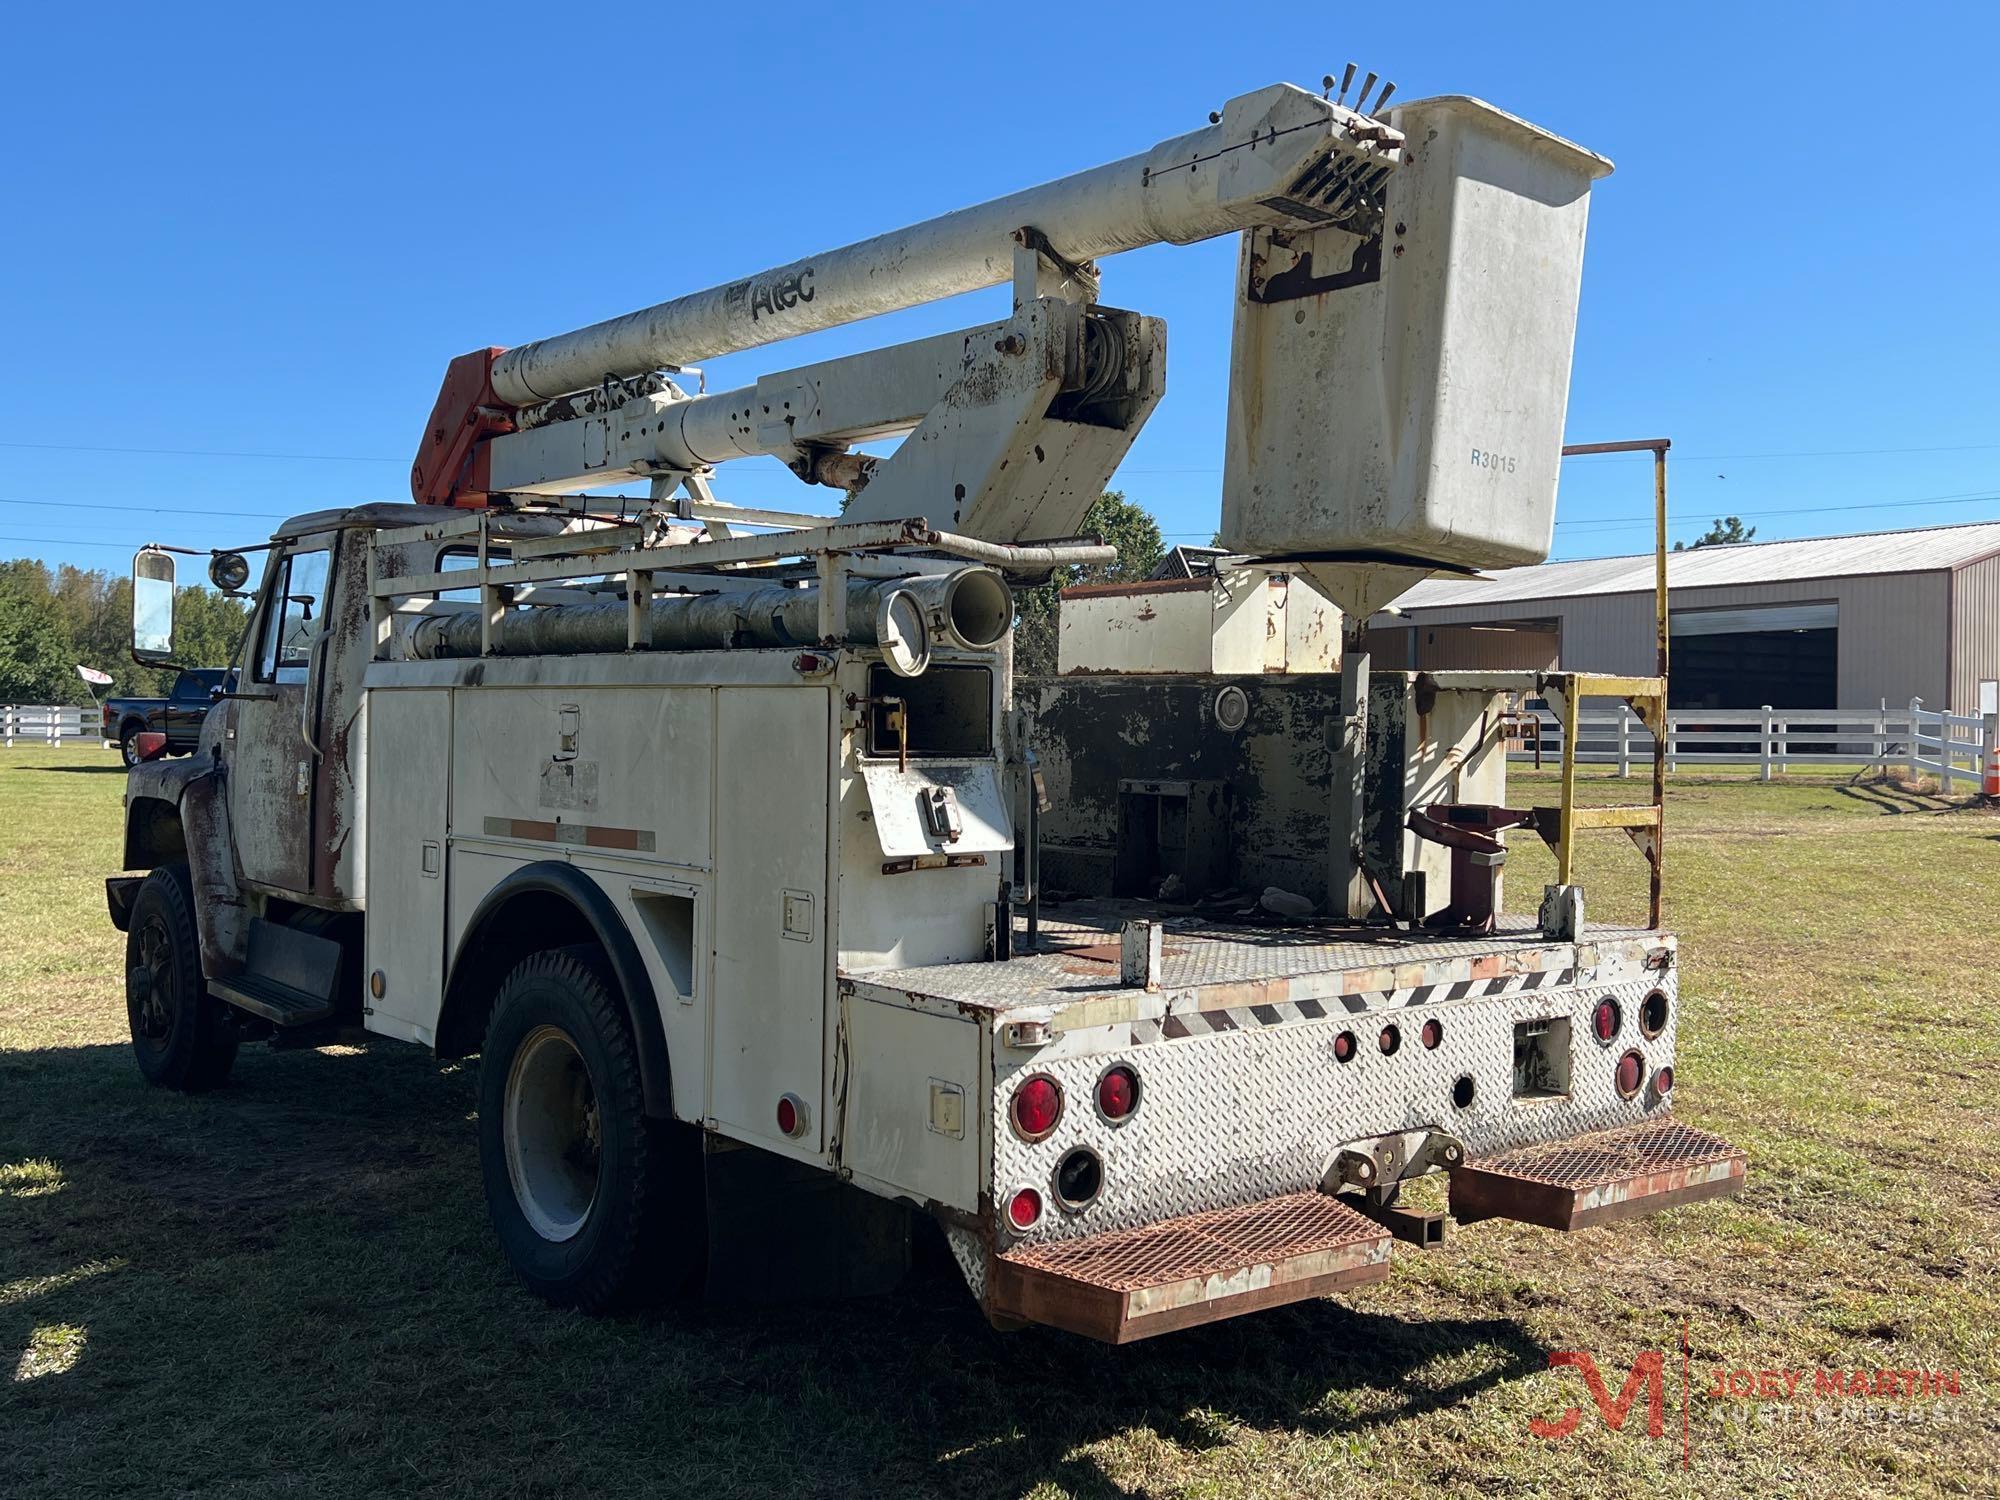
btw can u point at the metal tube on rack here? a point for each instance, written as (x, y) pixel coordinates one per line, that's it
(970, 608)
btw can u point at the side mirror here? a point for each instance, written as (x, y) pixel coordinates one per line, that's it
(152, 607)
(229, 571)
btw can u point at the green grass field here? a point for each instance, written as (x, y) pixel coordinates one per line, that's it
(289, 1287)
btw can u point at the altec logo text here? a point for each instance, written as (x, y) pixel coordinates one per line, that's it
(1645, 1390)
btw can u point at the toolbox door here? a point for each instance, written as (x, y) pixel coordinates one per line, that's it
(767, 1035)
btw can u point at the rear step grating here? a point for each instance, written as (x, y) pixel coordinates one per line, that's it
(1599, 1179)
(1132, 1283)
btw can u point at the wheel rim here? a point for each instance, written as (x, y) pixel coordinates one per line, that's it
(553, 1134)
(149, 986)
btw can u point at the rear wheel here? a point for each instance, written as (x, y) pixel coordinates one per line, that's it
(128, 745)
(596, 1205)
(183, 1037)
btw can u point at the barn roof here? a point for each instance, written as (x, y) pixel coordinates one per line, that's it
(1928, 550)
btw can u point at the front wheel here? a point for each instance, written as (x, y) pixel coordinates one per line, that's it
(183, 1037)
(596, 1205)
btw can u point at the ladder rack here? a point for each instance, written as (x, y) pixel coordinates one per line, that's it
(636, 553)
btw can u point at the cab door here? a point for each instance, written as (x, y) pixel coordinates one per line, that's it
(271, 751)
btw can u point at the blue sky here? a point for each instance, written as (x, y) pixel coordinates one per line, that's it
(237, 231)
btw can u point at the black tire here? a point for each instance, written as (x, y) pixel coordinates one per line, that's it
(128, 745)
(183, 1037)
(564, 1139)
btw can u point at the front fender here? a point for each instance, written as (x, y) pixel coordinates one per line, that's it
(153, 791)
(179, 810)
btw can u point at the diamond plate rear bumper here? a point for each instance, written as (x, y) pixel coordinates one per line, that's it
(1598, 1178)
(1133, 1283)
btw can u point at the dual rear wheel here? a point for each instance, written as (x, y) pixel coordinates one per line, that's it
(597, 1205)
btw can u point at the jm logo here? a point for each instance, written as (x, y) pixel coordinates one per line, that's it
(1648, 1373)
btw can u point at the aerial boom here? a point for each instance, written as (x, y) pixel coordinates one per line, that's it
(1278, 157)
(1225, 177)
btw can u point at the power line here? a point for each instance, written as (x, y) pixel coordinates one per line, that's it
(329, 458)
(1599, 523)
(363, 458)
(1694, 457)
(158, 510)
(1810, 452)
(63, 541)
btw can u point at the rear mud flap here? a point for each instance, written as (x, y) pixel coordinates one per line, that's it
(1599, 1178)
(1131, 1284)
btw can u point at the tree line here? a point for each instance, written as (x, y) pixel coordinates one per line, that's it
(53, 621)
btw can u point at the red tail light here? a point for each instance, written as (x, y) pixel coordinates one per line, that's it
(1432, 1034)
(1663, 1082)
(1604, 1020)
(1024, 1208)
(1389, 1040)
(1631, 1072)
(1037, 1106)
(1343, 1046)
(150, 744)
(1118, 1093)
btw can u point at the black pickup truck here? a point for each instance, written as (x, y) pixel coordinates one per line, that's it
(178, 716)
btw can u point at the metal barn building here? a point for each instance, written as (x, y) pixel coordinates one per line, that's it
(1821, 622)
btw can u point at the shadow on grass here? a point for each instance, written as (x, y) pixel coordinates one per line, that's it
(1893, 800)
(116, 769)
(294, 1278)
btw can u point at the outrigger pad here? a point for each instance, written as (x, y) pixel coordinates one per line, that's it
(1133, 1283)
(1598, 1178)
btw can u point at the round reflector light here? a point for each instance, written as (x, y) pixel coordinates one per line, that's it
(1390, 1040)
(791, 1116)
(1024, 1208)
(1653, 1014)
(1037, 1107)
(1604, 1020)
(1631, 1072)
(1079, 1178)
(1432, 1034)
(1343, 1046)
(1117, 1093)
(1663, 1081)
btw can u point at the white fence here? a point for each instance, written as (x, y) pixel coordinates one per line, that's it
(1939, 743)
(1957, 749)
(43, 724)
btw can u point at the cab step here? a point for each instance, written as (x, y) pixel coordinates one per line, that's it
(1133, 1283)
(1598, 1178)
(289, 977)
